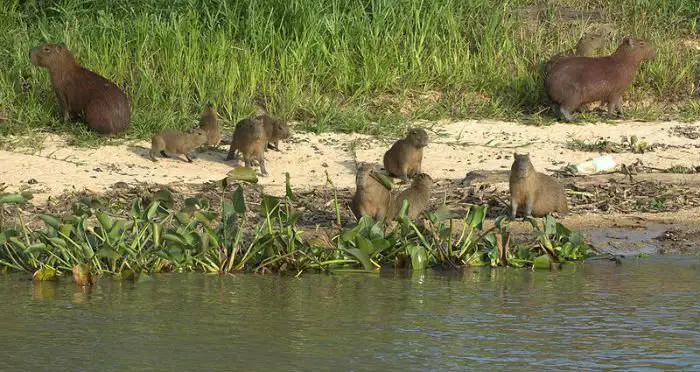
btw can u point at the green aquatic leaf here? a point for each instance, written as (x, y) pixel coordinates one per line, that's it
(182, 217)
(238, 200)
(16, 198)
(419, 257)
(443, 213)
(541, 263)
(151, 210)
(165, 197)
(475, 219)
(269, 205)
(288, 187)
(550, 225)
(246, 174)
(365, 245)
(362, 257)
(383, 180)
(50, 220)
(104, 221)
(108, 253)
(45, 273)
(65, 229)
(380, 245)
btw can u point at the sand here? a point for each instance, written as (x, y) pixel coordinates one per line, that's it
(455, 149)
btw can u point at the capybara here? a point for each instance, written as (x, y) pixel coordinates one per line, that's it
(177, 142)
(83, 93)
(209, 122)
(275, 131)
(418, 196)
(371, 198)
(250, 140)
(573, 81)
(404, 158)
(533, 193)
(586, 46)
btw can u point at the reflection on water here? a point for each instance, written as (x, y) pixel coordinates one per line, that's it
(642, 314)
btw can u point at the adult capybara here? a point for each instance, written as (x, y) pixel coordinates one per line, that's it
(405, 157)
(371, 198)
(83, 93)
(573, 81)
(533, 193)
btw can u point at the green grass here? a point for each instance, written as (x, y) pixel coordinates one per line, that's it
(334, 65)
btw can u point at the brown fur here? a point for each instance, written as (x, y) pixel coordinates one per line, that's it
(371, 198)
(404, 158)
(83, 93)
(275, 131)
(209, 122)
(418, 196)
(533, 193)
(250, 140)
(573, 81)
(177, 142)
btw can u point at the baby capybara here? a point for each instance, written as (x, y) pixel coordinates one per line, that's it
(573, 81)
(250, 140)
(417, 195)
(209, 122)
(371, 198)
(533, 193)
(275, 131)
(83, 93)
(404, 158)
(177, 142)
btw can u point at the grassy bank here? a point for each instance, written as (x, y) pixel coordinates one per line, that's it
(149, 235)
(337, 65)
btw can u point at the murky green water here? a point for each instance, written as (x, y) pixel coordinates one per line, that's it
(642, 314)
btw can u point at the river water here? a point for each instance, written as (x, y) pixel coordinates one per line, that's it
(642, 314)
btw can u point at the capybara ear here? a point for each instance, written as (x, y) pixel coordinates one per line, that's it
(60, 47)
(515, 154)
(628, 40)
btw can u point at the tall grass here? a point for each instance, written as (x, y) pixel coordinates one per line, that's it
(334, 65)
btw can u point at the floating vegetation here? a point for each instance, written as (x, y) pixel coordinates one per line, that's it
(157, 237)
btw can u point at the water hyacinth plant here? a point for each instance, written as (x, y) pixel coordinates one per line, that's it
(159, 238)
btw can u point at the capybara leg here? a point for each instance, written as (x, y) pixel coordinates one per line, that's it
(528, 208)
(277, 146)
(187, 156)
(513, 209)
(565, 113)
(162, 152)
(232, 155)
(615, 106)
(404, 174)
(263, 171)
(151, 155)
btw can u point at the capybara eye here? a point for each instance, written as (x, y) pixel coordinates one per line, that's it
(47, 49)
